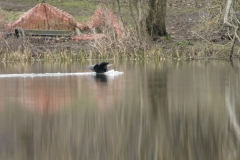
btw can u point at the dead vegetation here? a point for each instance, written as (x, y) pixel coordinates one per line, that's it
(193, 33)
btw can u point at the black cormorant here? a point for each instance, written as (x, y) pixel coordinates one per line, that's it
(99, 68)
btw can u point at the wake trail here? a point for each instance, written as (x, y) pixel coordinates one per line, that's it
(33, 75)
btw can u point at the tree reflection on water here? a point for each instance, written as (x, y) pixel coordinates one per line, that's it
(178, 110)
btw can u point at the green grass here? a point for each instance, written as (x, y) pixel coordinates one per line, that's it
(81, 10)
(184, 43)
(11, 16)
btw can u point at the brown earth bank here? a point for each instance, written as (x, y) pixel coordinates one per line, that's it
(191, 30)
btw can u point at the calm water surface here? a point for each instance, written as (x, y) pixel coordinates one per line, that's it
(154, 111)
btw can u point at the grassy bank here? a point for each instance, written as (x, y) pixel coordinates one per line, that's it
(190, 36)
(158, 51)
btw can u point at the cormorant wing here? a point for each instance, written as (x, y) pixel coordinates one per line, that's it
(90, 67)
(104, 65)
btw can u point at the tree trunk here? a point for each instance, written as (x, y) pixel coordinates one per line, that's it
(155, 21)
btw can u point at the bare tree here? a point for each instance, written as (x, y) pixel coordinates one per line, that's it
(231, 20)
(155, 21)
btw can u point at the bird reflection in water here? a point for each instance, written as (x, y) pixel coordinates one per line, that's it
(105, 90)
(101, 78)
(99, 69)
(104, 86)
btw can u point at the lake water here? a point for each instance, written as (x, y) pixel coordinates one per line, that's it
(164, 110)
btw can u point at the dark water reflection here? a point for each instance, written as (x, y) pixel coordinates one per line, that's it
(163, 110)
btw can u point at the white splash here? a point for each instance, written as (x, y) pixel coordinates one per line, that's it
(32, 75)
(111, 73)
